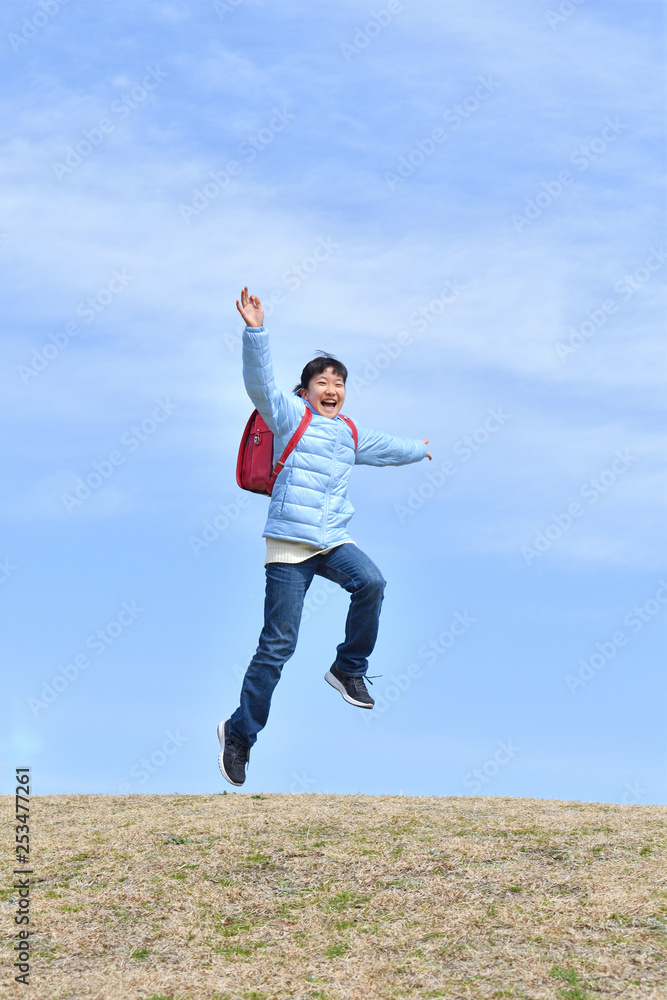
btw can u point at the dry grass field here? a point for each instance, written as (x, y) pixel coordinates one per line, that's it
(337, 897)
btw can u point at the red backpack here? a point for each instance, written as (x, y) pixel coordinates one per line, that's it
(255, 462)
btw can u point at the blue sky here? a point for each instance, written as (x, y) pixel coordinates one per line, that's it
(462, 201)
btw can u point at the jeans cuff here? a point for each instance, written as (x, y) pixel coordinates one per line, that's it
(349, 673)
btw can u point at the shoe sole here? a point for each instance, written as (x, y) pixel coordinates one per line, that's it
(221, 763)
(335, 683)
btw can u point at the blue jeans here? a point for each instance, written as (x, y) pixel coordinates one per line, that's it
(286, 586)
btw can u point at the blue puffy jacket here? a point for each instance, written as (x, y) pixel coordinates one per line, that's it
(309, 499)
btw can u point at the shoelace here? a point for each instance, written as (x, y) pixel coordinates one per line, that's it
(365, 677)
(240, 752)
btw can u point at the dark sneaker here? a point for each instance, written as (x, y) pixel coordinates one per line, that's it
(233, 757)
(351, 686)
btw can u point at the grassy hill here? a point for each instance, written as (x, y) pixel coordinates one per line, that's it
(330, 897)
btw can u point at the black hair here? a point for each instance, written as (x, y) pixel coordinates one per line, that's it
(316, 367)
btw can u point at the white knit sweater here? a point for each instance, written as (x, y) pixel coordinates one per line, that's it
(282, 551)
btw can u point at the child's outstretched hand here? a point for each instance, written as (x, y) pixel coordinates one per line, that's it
(428, 453)
(251, 308)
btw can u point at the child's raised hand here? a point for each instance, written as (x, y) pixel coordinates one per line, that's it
(428, 453)
(251, 308)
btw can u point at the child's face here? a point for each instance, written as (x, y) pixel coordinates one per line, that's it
(326, 393)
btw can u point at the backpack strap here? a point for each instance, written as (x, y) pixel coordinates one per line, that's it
(291, 445)
(352, 428)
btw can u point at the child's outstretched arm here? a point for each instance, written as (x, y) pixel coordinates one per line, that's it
(378, 448)
(281, 411)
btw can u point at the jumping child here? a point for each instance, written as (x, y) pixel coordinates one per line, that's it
(306, 532)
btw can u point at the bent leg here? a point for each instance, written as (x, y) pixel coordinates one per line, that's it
(286, 586)
(348, 566)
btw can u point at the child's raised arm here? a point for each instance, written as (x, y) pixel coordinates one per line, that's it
(281, 411)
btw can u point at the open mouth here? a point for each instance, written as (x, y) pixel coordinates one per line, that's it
(329, 404)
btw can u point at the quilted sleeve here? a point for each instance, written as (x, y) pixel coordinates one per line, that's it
(377, 448)
(280, 410)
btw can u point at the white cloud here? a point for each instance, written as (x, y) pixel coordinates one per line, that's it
(323, 178)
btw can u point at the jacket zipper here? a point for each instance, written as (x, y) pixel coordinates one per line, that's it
(282, 502)
(326, 497)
